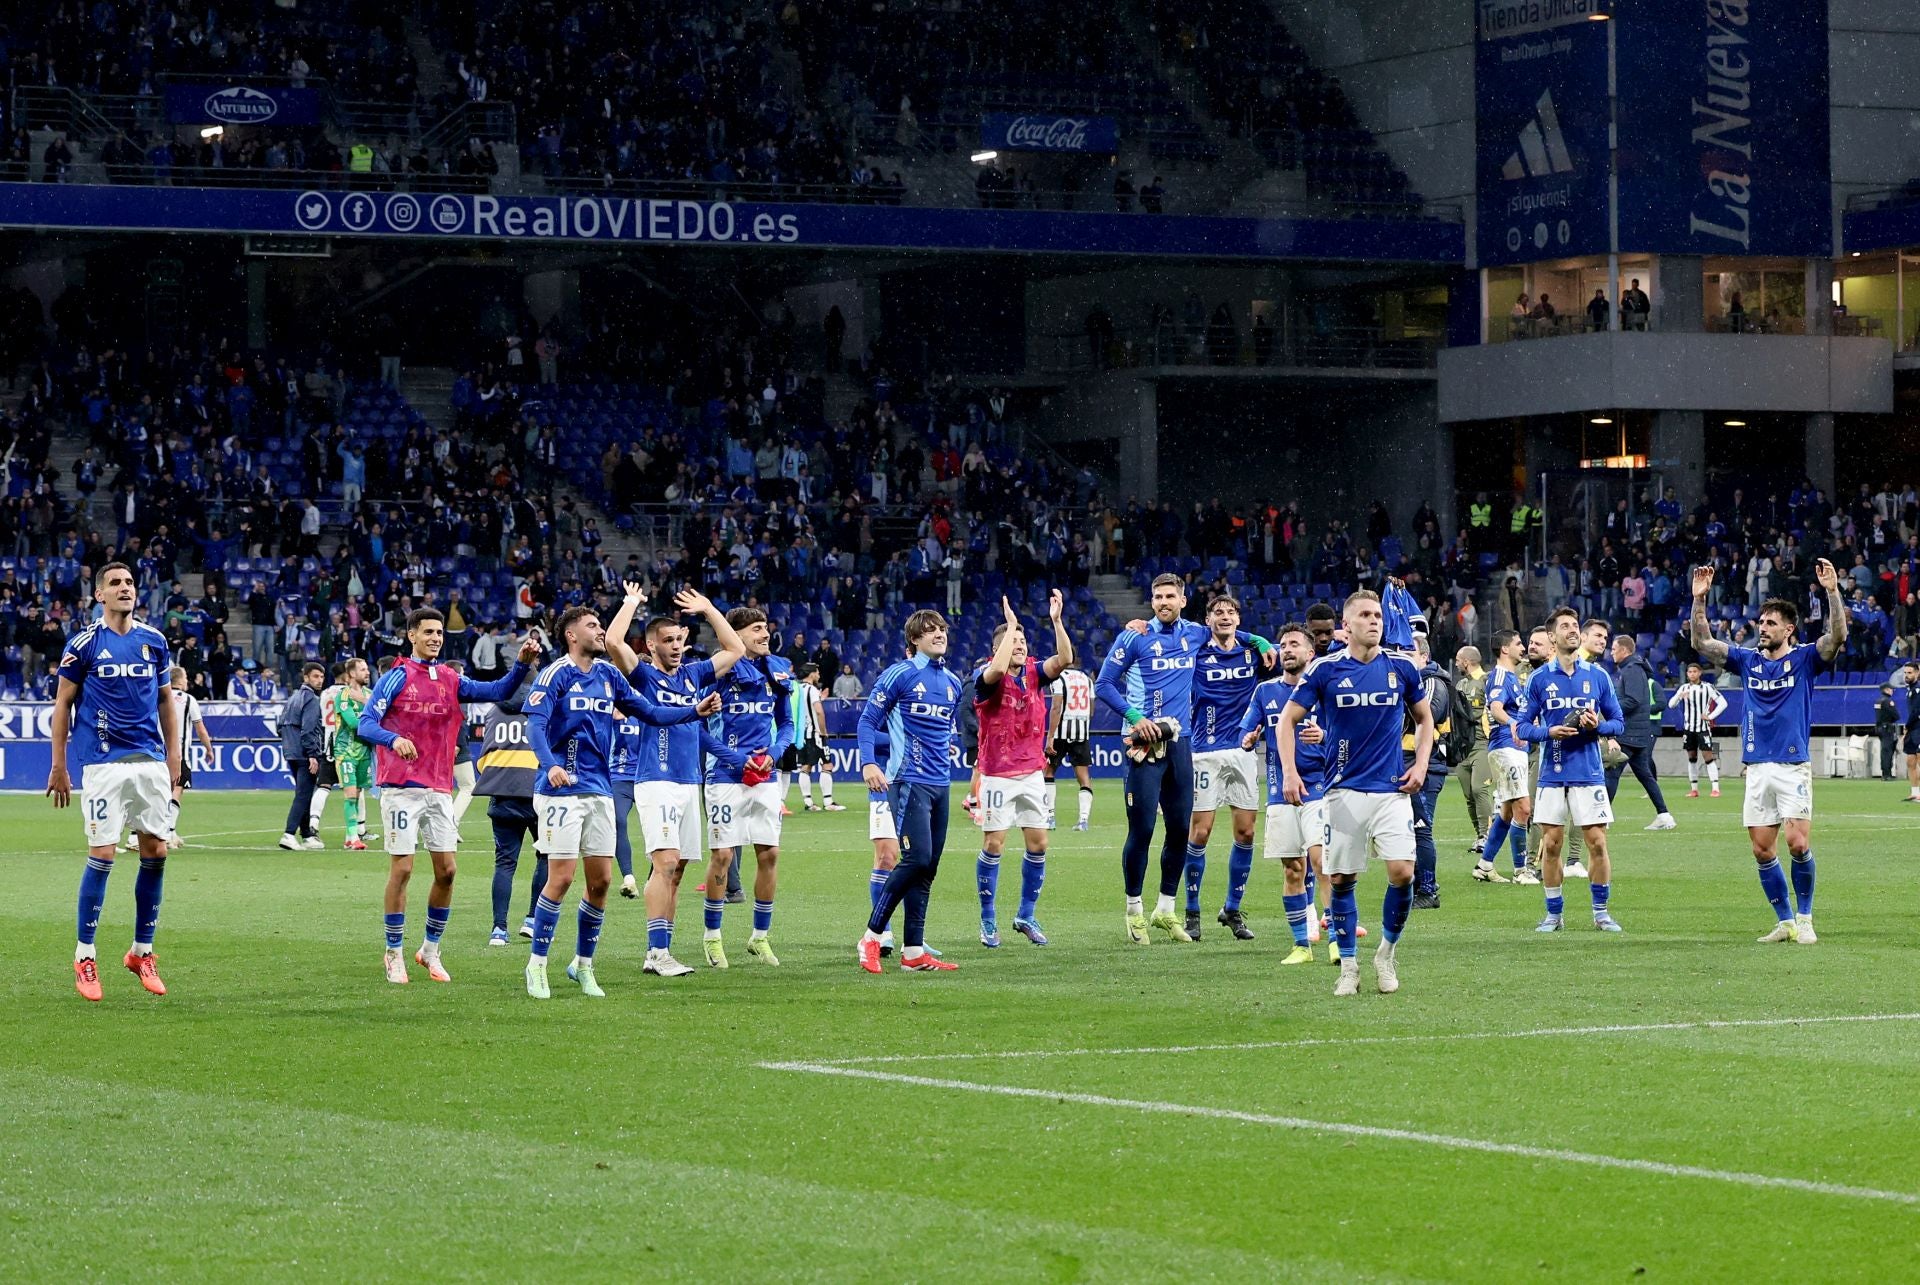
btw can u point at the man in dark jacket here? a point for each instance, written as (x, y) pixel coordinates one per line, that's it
(1886, 729)
(1440, 697)
(302, 742)
(505, 778)
(1634, 683)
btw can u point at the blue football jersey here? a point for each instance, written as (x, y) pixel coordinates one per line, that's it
(629, 736)
(1777, 723)
(917, 702)
(1224, 679)
(1400, 618)
(1151, 674)
(116, 718)
(1504, 685)
(1362, 709)
(571, 715)
(672, 753)
(1263, 712)
(755, 714)
(1552, 694)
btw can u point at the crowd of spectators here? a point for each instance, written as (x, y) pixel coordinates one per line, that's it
(688, 90)
(255, 471)
(123, 47)
(695, 95)
(1260, 84)
(203, 455)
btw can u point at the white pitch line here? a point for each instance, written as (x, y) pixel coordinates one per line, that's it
(1375, 1132)
(1253, 1045)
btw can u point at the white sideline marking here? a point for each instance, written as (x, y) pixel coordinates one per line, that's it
(1536, 1033)
(1374, 1132)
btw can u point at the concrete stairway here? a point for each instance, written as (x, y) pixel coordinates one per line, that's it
(1119, 597)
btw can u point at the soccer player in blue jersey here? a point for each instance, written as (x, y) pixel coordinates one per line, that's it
(1296, 832)
(114, 704)
(918, 702)
(1506, 706)
(1225, 674)
(667, 772)
(742, 743)
(1362, 695)
(1571, 706)
(1776, 732)
(570, 725)
(1147, 679)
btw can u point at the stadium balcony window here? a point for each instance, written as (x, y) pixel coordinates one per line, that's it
(1878, 295)
(1566, 297)
(1755, 297)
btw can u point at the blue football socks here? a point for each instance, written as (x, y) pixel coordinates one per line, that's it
(1393, 910)
(146, 899)
(93, 895)
(1802, 870)
(1196, 872)
(1033, 877)
(546, 918)
(986, 875)
(590, 919)
(1297, 906)
(1239, 868)
(1773, 882)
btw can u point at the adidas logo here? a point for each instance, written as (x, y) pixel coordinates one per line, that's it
(1346, 682)
(1543, 149)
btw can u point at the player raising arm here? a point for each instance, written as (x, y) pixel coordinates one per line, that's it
(742, 743)
(1009, 695)
(1776, 734)
(666, 791)
(571, 718)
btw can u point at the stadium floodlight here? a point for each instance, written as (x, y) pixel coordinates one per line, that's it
(212, 132)
(981, 158)
(1734, 423)
(1600, 419)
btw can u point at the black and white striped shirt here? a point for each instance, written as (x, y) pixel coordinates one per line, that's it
(1072, 693)
(1699, 704)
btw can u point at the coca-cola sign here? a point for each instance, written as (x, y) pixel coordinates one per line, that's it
(1029, 132)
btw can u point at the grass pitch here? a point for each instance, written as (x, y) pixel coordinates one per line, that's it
(284, 1113)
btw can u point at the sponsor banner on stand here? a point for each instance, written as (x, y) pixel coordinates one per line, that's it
(629, 220)
(1724, 139)
(216, 104)
(1047, 132)
(1540, 96)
